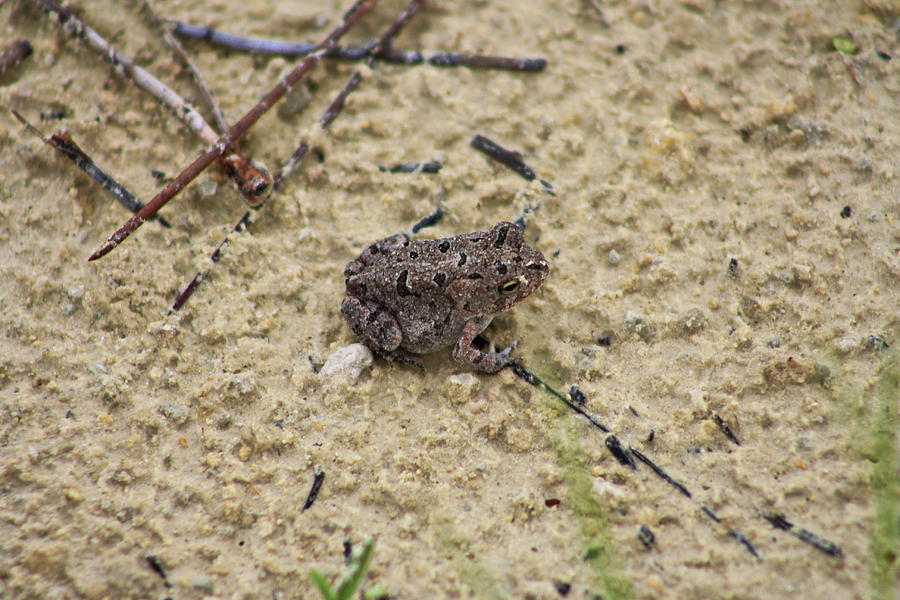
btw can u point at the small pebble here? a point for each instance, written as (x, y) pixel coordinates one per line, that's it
(206, 189)
(98, 369)
(636, 322)
(847, 345)
(461, 387)
(692, 321)
(75, 292)
(346, 364)
(613, 257)
(175, 412)
(204, 584)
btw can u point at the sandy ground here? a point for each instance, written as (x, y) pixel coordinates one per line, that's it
(724, 243)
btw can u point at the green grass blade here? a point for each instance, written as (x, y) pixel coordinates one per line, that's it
(349, 587)
(322, 585)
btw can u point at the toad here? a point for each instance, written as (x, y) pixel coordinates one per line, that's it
(423, 295)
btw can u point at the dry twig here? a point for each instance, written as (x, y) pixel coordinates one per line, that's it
(252, 182)
(16, 52)
(65, 145)
(359, 8)
(188, 64)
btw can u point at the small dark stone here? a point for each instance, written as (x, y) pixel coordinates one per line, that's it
(883, 55)
(876, 343)
(846, 212)
(604, 340)
(348, 550)
(563, 587)
(577, 396)
(620, 48)
(646, 537)
(733, 267)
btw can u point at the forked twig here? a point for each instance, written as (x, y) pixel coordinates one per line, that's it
(359, 8)
(252, 182)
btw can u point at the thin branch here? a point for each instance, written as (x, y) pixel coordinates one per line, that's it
(483, 61)
(438, 59)
(288, 49)
(187, 63)
(510, 159)
(188, 291)
(359, 8)
(65, 145)
(426, 167)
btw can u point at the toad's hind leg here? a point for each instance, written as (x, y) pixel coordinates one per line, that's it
(374, 326)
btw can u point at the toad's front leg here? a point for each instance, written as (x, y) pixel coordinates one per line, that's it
(489, 362)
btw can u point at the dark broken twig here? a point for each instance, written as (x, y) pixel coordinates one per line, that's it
(626, 457)
(483, 61)
(660, 472)
(726, 430)
(318, 480)
(188, 291)
(536, 381)
(14, 53)
(425, 167)
(65, 145)
(804, 535)
(510, 159)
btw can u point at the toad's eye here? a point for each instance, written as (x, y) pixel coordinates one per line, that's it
(508, 287)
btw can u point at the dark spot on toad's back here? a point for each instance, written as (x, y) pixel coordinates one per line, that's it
(402, 288)
(462, 259)
(444, 246)
(439, 278)
(501, 268)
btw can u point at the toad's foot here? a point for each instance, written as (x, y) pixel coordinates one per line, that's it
(488, 362)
